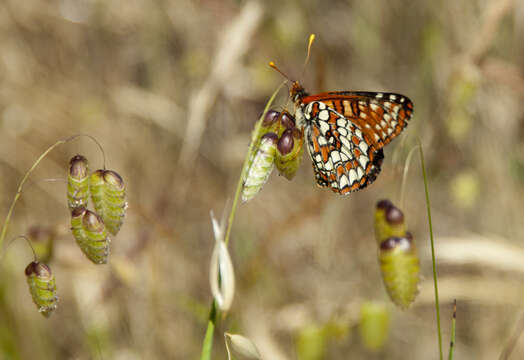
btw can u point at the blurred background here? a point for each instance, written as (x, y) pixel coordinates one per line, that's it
(172, 90)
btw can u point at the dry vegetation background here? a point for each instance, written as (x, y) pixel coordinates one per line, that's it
(172, 89)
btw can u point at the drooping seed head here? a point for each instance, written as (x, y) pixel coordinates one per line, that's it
(270, 118)
(287, 120)
(42, 287)
(286, 142)
(77, 182)
(78, 167)
(394, 215)
(109, 197)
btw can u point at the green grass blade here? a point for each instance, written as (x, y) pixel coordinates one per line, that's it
(433, 258)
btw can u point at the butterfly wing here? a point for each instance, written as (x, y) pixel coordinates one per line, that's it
(346, 132)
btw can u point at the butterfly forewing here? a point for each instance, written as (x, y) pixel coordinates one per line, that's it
(346, 131)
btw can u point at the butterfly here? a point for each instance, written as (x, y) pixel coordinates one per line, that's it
(345, 132)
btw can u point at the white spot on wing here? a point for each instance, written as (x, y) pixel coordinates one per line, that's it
(358, 133)
(360, 172)
(374, 107)
(363, 160)
(328, 165)
(363, 115)
(345, 142)
(324, 127)
(322, 141)
(341, 122)
(392, 97)
(321, 105)
(363, 146)
(323, 115)
(343, 181)
(335, 156)
(352, 176)
(379, 95)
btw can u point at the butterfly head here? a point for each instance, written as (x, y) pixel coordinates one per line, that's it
(297, 92)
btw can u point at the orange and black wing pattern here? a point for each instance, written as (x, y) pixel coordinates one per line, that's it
(346, 131)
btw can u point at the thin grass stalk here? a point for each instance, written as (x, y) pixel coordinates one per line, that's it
(453, 325)
(211, 324)
(26, 176)
(21, 186)
(433, 258)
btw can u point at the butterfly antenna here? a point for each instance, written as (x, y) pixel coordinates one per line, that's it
(272, 65)
(310, 43)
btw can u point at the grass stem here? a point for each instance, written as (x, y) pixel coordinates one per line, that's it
(433, 257)
(211, 324)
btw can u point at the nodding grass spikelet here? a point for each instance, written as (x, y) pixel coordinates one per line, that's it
(261, 166)
(42, 287)
(108, 193)
(77, 182)
(290, 147)
(399, 262)
(91, 235)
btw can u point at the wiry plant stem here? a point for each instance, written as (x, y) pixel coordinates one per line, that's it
(26, 176)
(211, 324)
(21, 186)
(433, 257)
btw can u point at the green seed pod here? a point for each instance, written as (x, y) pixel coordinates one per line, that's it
(389, 221)
(271, 122)
(91, 235)
(374, 325)
(42, 287)
(77, 182)
(261, 166)
(109, 196)
(400, 269)
(289, 154)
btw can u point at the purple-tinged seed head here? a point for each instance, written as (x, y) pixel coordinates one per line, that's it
(394, 215)
(79, 211)
(384, 204)
(286, 142)
(114, 179)
(39, 269)
(396, 242)
(270, 118)
(92, 222)
(287, 120)
(78, 167)
(270, 136)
